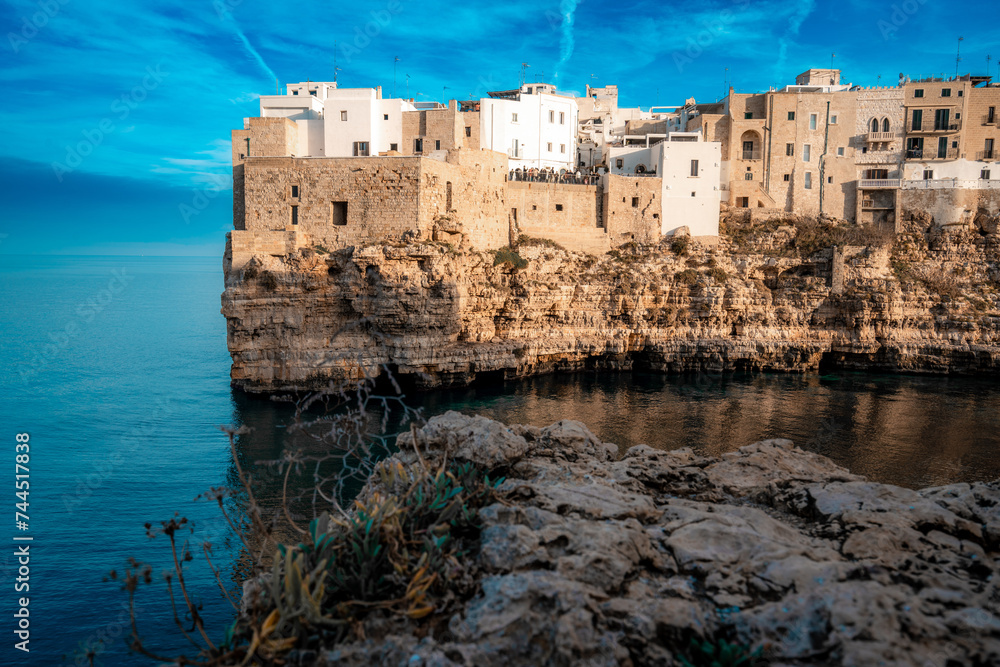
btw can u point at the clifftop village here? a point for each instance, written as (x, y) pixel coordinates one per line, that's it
(343, 166)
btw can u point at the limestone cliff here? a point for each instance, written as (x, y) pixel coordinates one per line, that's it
(784, 295)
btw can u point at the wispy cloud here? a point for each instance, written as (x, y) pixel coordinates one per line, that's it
(801, 12)
(567, 43)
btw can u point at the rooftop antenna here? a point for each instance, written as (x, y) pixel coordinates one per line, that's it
(958, 55)
(335, 68)
(407, 86)
(988, 59)
(832, 56)
(277, 86)
(394, 61)
(524, 66)
(443, 95)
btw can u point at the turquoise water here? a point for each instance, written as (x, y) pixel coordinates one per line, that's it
(118, 370)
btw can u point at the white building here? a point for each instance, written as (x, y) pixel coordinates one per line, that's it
(602, 123)
(534, 126)
(339, 122)
(690, 172)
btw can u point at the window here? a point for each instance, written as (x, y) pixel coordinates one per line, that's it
(692, 194)
(928, 174)
(743, 202)
(748, 176)
(343, 115)
(829, 179)
(946, 92)
(812, 121)
(791, 115)
(919, 92)
(313, 93)
(295, 215)
(985, 174)
(338, 213)
(513, 118)
(635, 202)
(562, 117)
(840, 151)
(418, 145)
(295, 92)
(807, 182)
(991, 115)
(549, 147)
(619, 163)
(885, 124)
(552, 116)
(558, 207)
(437, 144)
(360, 149)
(918, 120)
(789, 149)
(988, 150)
(788, 177)
(941, 119)
(394, 147)
(833, 119)
(694, 167)
(468, 131)
(385, 116)
(961, 93)
(874, 127)
(242, 156)
(534, 207)
(748, 115)
(806, 152)
(295, 191)
(562, 148)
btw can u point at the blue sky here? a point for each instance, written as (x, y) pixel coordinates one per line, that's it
(117, 115)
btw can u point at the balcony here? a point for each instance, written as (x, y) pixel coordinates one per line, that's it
(878, 183)
(931, 154)
(515, 153)
(990, 119)
(750, 155)
(880, 137)
(931, 128)
(983, 156)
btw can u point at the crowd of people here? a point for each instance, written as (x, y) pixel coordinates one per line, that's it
(550, 175)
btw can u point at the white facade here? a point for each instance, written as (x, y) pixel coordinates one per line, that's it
(961, 170)
(537, 129)
(690, 172)
(602, 124)
(339, 122)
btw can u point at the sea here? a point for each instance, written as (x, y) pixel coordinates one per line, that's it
(117, 370)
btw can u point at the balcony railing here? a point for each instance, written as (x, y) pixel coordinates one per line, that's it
(931, 154)
(878, 183)
(929, 127)
(878, 137)
(750, 155)
(987, 155)
(515, 153)
(990, 119)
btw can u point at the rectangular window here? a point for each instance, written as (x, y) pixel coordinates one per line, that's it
(928, 174)
(338, 213)
(295, 92)
(562, 117)
(807, 182)
(919, 92)
(360, 149)
(988, 150)
(946, 92)
(295, 215)
(558, 207)
(394, 147)
(789, 149)
(748, 115)
(748, 176)
(960, 93)
(812, 121)
(791, 115)
(437, 144)
(619, 163)
(985, 174)
(552, 116)
(829, 179)
(840, 151)
(918, 120)
(694, 167)
(295, 191)
(942, 117)
(468, 131)
(833, 119)
(806, 152)
(513, 118)
(635, 202)
(942, 147)
(991, 115)
(343, 115)
(385, 116)
(562, 148)
(549, 147)
(313, 93)
(788, 177)
(743, 202)
(418, 145)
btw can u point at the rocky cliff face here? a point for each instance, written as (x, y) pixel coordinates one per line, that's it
(592, 559)
(784, 295)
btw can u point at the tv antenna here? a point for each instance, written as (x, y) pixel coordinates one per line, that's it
(394, 61)
(524, 66)
(958, 55)
(335, 68)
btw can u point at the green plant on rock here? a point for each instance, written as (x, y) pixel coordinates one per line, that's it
(687, 277)
(707, 653)
(509, 257)
(679, 245)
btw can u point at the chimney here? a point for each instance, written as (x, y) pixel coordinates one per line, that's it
(378, 92)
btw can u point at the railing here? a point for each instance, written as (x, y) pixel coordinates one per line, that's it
(990, 119)
(876, 137)
(750, 155)
(952, 126)
(986, 155)
(869, 183)
(931, 154)
(949, 183)
(514, 153)
(568, 178)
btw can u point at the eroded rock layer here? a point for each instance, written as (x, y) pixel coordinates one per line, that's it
(786, 295)
(594, 559)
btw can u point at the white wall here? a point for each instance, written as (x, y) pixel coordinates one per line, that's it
(632, 157)
(698, 211)
(533, 131)
(961, 169)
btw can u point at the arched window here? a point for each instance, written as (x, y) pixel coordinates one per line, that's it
(885, 124)
(874, 125)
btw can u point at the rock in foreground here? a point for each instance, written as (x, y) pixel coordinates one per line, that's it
(592, 559)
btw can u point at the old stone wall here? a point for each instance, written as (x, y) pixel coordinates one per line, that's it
(440, 129)
(464, 198)
(567, 214)
(976, 129)
(470, 130)
(633, 209)
(950, 206)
